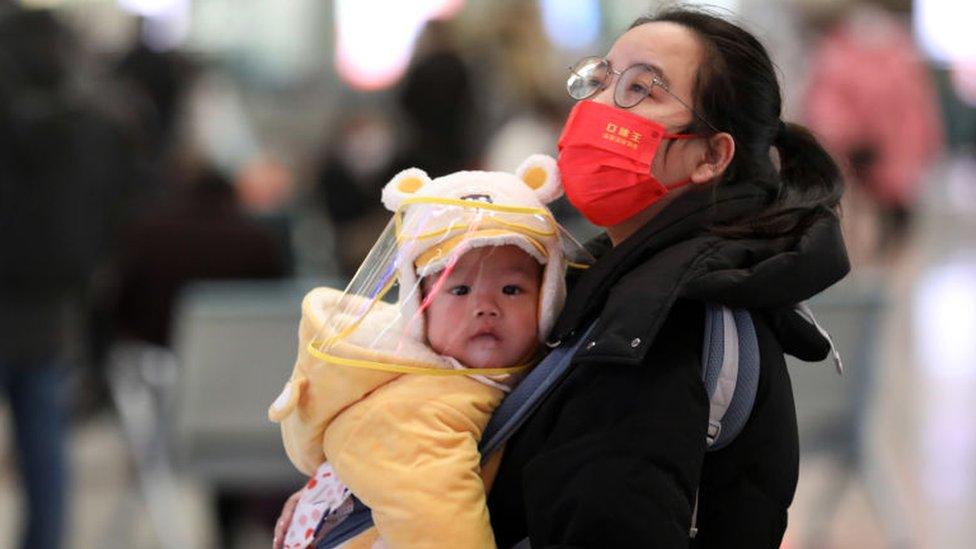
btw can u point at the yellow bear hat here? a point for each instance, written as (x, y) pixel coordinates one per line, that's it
(444, 217)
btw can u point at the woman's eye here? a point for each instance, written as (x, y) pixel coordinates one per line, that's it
(460, 290)
(511, 289)
(639, 88)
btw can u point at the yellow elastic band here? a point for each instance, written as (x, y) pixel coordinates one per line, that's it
(404, 369)
(474, 204)
(446, 247)
(523, 228)
(542, 212)
(349, 329)
(401, 238)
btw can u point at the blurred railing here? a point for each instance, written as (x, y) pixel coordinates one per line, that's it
(199, 410)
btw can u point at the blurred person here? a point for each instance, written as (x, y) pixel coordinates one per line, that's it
(518, 65)
(158, 82)
(200, 233)
(361, 157)
(872, 101)
(438, 102)
(265, 189)
(63, 179)
(522, 73)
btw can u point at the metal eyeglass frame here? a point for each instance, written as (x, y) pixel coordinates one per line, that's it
(655, 81)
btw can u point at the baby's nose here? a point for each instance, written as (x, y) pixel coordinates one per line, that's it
(486, 307)
(605, 96)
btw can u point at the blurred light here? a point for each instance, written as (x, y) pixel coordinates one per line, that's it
(375, 38)
(944, 29)
(152, 8)
(167, 22)
(948, 441)
(571, 24)
(946, 321)
(945, 324)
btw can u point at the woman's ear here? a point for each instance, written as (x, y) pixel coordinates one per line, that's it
(718, 156)
(541, 174)
(403, 185)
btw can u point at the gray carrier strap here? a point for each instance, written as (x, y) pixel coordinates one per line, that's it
(730, 372)
(526, 396)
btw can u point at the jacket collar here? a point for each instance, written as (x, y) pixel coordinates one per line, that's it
(689, 214)
(632, 287)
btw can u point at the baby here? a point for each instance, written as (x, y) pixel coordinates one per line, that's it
(480, 266)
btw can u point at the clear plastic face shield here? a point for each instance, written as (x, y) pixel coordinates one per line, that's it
(467, 278)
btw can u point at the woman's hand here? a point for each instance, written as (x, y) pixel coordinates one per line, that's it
(284, 520)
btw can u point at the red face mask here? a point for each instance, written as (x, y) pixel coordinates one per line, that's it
(605, 157)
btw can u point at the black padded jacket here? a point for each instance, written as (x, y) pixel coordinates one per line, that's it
(614, 455)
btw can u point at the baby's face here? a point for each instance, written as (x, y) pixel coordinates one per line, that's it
(484, 313)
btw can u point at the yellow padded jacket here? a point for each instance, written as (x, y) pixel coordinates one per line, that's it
(405, 445)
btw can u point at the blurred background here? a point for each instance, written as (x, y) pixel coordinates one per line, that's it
(176, 174)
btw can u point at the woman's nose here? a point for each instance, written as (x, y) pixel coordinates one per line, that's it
(605, 96)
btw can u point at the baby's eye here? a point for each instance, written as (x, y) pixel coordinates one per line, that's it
(460, 290)
(511, 289)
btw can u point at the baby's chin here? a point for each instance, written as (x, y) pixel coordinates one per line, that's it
(489, 357)
(484, 359)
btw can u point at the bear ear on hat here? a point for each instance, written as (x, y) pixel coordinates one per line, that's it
(541, 174)
(403, 185)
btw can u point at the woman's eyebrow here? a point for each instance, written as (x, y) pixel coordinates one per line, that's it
(656, 69)
(659, 72)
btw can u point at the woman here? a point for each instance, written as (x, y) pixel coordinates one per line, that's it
(615, 454)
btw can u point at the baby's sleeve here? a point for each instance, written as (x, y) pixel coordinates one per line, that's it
(417, 466)
(317, 390)
(301, 434)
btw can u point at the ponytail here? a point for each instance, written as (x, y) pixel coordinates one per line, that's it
(810, 183)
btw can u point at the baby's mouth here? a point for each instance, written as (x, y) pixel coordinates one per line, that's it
(486, 336)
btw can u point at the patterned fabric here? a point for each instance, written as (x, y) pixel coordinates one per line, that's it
(323, 495)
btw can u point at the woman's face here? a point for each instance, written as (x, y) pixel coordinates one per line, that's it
(675, 53)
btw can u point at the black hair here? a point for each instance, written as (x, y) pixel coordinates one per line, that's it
(736, 90)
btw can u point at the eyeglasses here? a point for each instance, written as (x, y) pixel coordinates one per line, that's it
(591, 75)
